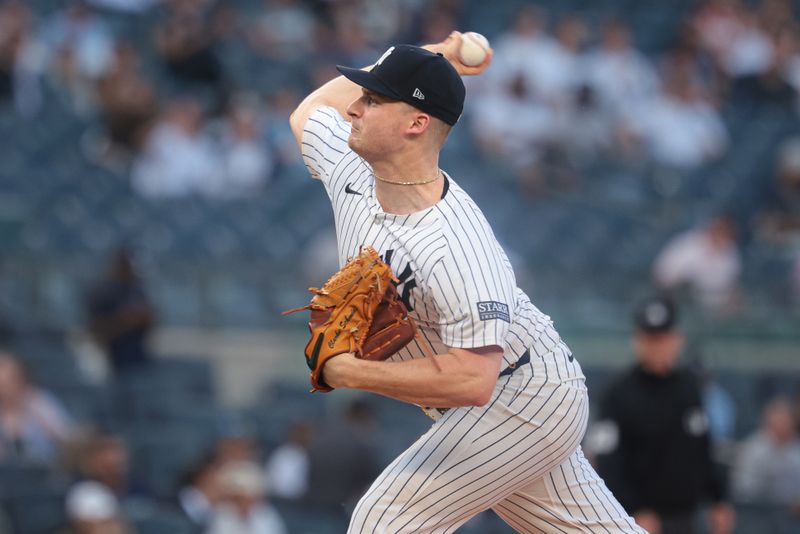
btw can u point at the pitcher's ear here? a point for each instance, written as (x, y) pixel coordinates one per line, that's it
(420, 122)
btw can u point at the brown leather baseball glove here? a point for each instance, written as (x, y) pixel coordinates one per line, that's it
(358, 311)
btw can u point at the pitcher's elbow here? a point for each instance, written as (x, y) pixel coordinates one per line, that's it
(481, 395)
(295, 121)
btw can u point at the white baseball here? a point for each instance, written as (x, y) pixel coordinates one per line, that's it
(474, 48)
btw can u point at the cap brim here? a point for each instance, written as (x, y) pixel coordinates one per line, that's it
(367, 80)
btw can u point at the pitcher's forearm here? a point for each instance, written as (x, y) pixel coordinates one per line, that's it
(442, 381)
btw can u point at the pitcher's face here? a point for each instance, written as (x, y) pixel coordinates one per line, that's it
(378, 124)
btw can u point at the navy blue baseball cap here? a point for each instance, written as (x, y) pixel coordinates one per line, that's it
(655, 315)
(416, 76)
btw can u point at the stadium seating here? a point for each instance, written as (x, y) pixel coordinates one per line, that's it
(94, 211)
(41, 512)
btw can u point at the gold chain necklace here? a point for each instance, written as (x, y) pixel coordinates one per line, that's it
(438, 174)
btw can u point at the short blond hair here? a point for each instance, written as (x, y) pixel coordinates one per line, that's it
(439, 130)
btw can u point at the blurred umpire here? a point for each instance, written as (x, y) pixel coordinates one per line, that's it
(652, 440)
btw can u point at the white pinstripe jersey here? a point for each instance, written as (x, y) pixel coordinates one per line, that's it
(520, 453)
(455, 278)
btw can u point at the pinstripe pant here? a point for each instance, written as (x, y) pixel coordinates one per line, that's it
(519, 455)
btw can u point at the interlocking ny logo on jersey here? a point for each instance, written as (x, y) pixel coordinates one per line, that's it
(405, 280)
(490, 309)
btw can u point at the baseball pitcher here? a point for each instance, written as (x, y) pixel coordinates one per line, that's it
(507, 396)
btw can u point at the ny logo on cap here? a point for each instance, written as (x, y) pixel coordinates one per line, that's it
(385, 55)
(418, 94)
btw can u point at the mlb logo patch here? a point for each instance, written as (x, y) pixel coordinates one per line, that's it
(490, 309)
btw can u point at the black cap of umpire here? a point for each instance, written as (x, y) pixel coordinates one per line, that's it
(416, 76)
(655, 315)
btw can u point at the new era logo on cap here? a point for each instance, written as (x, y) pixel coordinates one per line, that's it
(418, 94)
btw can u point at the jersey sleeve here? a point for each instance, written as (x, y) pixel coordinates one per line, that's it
(324, 142)
(475, 304)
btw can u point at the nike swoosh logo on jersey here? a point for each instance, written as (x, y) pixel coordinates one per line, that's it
(351, 191)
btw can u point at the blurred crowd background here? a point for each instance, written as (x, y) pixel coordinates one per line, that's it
(151, 195)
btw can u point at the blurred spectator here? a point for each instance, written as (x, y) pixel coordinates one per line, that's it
(517, 49)
(718, 24)
(584, 132)
(121, 316)
(383, 21)
(771, 87)
(688, 58)
(237, 447)
(434, 23)
(706, 260)
(80, 32)
(284, 29)
(80, 46)
(564, 65)
(287, 466)
(278, 134)
(651, 438)
(767, 467)
(720, 408)
(186, 39)
(104, 459)
(247, 160)
(790, 50)
(781, 220)
(549, 67)
(21, 59)
(751, 51)
(718, 405)
(103, 468)
(348, 43)
(128, 101)
(179, 157)
(734, 36)
(679, 128)
(510, 124)
(93, 509)
(200, 493)
(525, 110)
(342, 460)
(34, 425)
(244, 509)
(621, 76)
(776, 16)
